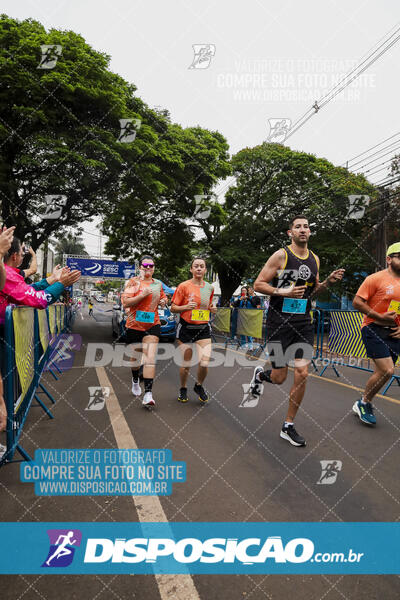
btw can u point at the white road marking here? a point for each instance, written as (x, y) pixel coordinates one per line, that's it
(149, 509)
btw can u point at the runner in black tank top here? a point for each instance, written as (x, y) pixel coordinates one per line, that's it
(300, 271)
(290, 277)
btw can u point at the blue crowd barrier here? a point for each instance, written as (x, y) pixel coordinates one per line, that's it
(344, 344)
(29, 335)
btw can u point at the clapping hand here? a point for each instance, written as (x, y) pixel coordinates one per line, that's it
(6, 237)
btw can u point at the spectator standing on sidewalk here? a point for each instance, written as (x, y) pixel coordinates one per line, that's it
(6, 236)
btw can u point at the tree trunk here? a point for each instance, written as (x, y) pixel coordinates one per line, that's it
(229, 281)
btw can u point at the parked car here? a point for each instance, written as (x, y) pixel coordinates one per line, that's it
(167, 322)
(168, 325)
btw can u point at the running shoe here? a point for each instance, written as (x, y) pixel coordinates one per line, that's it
(290, 434)
(256, 386)
(2, 450)
(148, 400)
(183, 395)
(365, 412)
(201, 392)
(136, 389)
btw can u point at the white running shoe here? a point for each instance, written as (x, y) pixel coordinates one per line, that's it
(148, 399)
(256, 386)
(136, 389)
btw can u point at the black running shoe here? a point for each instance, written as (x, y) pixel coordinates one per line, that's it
(183, 395)
(290, 434)
(201, 392)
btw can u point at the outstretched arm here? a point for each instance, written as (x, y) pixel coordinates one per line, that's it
(335, 276)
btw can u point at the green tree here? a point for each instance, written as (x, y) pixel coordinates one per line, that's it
(68, 244)
(114, 285)
(59, 131)
(163, 222)
(274, 183)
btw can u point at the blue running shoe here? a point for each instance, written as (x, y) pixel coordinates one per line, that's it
(365, 412)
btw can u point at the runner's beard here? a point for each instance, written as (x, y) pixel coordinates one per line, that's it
(300, 241)
(395, 268)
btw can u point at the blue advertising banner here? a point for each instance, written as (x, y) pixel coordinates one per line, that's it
(102, 268)
(215, 548)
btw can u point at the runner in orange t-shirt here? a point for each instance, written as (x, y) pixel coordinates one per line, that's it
(193, 300)
(141, 298)
(379, 299)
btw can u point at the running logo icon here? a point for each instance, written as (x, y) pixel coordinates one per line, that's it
(54, 206)
(249, 401)
(330, 471)
(287, 277)
(357, 206)
(278, 130)
(98, 397)
(50, 54)
(203, 53)
(129, 129)
(63, 543)
(202, 211)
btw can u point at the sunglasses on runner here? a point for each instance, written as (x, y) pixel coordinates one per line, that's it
(395, 255)
(147, 265)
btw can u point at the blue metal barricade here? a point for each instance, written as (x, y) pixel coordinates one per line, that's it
(344, 345)
(27, 350)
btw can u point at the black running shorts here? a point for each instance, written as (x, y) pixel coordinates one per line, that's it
(378, 343)
(135, 336)
(188, 334)
(287, 341)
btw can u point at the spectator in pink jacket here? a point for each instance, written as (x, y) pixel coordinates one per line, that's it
(38, 295)
(6, 236)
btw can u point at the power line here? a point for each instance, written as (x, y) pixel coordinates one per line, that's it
(372, 148)
(389, 180)
(360, 72)
(363, 161)
(370, 54)
(347, 80)
(364, 171)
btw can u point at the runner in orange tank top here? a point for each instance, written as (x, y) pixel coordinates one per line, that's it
(193, 301)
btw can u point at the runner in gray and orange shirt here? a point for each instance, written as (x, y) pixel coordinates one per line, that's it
(141, 297)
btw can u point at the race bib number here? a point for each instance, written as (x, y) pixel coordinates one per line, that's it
(161, 312)
(143, 316)
(295, 305)
(395, 306)
(199, 314)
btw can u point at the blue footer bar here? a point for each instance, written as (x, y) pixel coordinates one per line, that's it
(214, 548)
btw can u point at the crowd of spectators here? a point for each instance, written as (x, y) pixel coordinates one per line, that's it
(249, 300)
(14, 289)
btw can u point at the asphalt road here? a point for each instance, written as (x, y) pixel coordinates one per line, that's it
(238, 469)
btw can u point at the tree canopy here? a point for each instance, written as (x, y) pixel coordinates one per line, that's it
(274, 183)
(73, 129)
